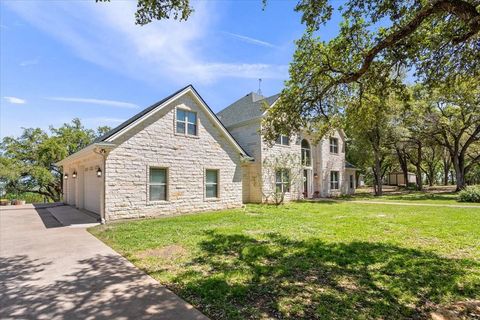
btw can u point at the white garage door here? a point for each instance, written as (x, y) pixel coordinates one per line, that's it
(93, 189)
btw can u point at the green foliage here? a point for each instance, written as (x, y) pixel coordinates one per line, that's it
(27, 163)
(29, 197)
(469, 194)
(330, 260)
(150, 10)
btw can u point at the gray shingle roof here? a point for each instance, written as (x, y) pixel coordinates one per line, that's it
(249, 107)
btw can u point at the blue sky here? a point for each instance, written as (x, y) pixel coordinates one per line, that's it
(66, 59)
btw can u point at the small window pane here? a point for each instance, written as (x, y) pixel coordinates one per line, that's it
(158, 192)
(180, 127)
(157, 175)
(192, 117)
(211, 191)
(279, 140)
(192, 129)
(285, 140)
(180, 115)
(211, 176)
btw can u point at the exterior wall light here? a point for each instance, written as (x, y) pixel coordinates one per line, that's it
(99, 172)
(65, 176)
(315, 175)
(74, 174)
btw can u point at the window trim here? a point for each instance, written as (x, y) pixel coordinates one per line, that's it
(352, 181)
(336, 182)
(167, 180)
(282, 183)
(335, 145)
(206, 198)
(304, 153)
(282, 139)
(185, 122)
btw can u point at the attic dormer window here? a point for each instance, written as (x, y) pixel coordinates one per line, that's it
(186, 122)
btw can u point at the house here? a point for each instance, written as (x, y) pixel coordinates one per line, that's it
(397, 178)
(325, 171)
(177, 156)
(173, 157)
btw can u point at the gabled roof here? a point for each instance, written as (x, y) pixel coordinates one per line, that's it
(249, 107)
(110, 136)
(139, 115)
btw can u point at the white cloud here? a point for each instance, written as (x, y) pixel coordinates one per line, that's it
(110, 103)
(27, 63)
(15, 100)
(250, 40)
(105, 34)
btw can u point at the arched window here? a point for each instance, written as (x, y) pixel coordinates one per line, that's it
(306, 154)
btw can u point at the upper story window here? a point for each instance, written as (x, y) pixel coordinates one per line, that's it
(211, 183)
(158, 184)
(283, 140)
(333, 145)
(306, 154)
(334, 182)
(186, 122)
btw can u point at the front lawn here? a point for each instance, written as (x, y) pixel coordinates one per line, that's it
(311, 260)
(440, 198)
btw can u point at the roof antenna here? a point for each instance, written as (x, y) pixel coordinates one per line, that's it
(259, 87)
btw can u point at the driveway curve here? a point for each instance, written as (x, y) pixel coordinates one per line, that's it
(50, 271)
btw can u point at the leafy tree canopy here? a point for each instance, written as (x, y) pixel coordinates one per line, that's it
(27, 163)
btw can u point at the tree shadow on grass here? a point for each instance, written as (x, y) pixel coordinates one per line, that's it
(238, 276)
(103, 287)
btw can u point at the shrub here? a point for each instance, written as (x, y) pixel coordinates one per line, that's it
(470, 194)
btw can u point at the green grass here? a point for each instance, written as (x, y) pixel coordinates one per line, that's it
(335, 260)
(449, 198)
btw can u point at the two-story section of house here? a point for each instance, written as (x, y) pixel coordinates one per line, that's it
(324, 168)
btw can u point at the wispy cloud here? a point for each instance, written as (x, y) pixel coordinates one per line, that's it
(251, 40)
(105, 34)
(110, 103)
(27, 63)
(15, 100)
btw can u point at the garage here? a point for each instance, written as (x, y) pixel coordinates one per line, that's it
(92, 190)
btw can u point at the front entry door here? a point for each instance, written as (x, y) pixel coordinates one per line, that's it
(305, 183)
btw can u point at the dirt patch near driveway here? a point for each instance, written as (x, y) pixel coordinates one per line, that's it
(169, 252)
(469, 309)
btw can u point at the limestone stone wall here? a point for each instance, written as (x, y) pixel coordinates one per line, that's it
(328, 162)
(154, 143)
(248, 136)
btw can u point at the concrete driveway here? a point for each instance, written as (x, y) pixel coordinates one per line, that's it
(50, 271)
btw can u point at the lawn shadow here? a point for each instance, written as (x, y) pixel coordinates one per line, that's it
(239, 276)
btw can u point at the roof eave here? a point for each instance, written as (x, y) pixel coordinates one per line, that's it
(85, 151)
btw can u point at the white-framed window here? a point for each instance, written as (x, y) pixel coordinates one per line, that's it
(186, 122)
(333, 145)
(282, 180)
(334, 184)
(211, 183)
(283, 140)
(306, 154)
(157, 184)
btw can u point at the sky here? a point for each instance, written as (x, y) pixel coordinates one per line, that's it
(61, 60)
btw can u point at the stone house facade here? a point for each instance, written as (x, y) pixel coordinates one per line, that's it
(325, 172)
(174, 157)
(177, 156)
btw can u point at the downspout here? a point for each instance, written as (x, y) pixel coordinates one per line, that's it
(103, 153)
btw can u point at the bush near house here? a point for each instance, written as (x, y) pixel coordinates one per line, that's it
(470, 194)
